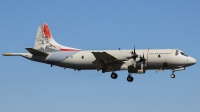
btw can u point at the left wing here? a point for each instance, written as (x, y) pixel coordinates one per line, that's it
(103, 55)
(104, 61)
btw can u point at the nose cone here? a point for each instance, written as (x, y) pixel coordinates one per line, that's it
(193, 61)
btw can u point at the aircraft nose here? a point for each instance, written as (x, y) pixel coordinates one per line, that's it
(193, 61)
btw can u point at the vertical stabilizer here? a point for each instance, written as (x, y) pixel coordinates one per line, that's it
(45, 42)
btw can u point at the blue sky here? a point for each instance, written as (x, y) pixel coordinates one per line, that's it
(27, 86)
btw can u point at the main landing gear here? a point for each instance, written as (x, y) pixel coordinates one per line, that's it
(129, 78)
(113, 75)
(172, 75)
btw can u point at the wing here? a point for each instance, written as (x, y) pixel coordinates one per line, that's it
(105, 61)
(103, 55)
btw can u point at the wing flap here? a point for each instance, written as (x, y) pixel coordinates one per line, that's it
(97, 64)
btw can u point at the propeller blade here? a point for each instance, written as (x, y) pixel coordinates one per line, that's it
(134, 64)
(143, 61)
(134, 56)
(141, 58)
(142, 66)
(134, 53)
(145, 64)
(134, 50)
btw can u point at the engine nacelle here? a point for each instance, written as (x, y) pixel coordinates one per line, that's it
(141, 71)
(124, 57)
(137, 71)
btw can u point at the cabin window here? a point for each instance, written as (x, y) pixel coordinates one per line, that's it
(82, 57)
(159, 56)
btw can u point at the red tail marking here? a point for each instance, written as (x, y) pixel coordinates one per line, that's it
(69, 50)
(46, 31)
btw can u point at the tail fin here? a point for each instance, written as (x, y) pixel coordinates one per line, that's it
(45, 42)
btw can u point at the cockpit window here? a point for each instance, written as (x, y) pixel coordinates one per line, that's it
(182, 53)
(177, 52)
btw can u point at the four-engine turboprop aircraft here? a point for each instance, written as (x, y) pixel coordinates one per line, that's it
(47, 50)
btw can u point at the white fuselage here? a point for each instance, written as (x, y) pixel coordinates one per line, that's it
(156, 59)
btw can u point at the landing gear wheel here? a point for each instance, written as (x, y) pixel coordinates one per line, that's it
(130, 78)
(172, 76)
(113, 75)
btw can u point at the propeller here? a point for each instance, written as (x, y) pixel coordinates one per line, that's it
(134, 56)
(143, 62)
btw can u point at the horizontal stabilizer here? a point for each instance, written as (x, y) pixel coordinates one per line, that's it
(14, 54)
(7, 54)
(36, 52)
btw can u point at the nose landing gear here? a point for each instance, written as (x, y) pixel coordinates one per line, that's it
(172, 75)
